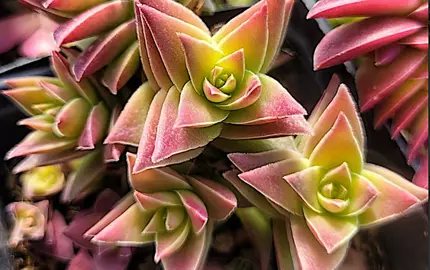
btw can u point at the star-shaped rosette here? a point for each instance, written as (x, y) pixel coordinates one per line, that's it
(392, 77)
(324, 187)
(28, 221)
(206, 86)
(175, 211)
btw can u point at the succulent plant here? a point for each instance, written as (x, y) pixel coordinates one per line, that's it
(31, 32)
(29, 221)
(324, 188)
(206, 86)
(393, 69)
(42, 181)
(175, 211)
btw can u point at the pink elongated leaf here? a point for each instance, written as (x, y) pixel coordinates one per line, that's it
(31, 81)
(79, 226)
(268, 181)
(126, 230)
(406, 113)
(95, 127)
(308, 252)
(195, 111)
(39, 142)
(284, 256)
(93, 21)
(154, 180)
(105, 201)
(338, 146)
(15, 29)
(192, 254)
(164, 29)
(153, 201)
(62, 247)
(273, 104)
(178, 11)
(168, 243)
(376, 83)
(364, 8)
(152, 63)
(218, 199)
(70, 120)
(332, 232)
(292, 125)
(84, 87)
(130, 124)
(249, 193)
(59, 93)
(82, 261)
(418, 40)
(361, 37)
(387, 54)
(122, 69)
(113, 258)
(147, 142)
(84, 180)
(50, 13)
(421, 13)
(393, 102)
(39, 122)
(39, 44)
(258, 228)
(421, 177)
(68, 6)
(255, 146)
(419, 131)
(172, 141)
(194, 50)
(117, 211)
(393, 199)
(361, 193)
(422, 72)
(104, 50)
(196, 210)
(306, 184)
(253, 31)
(26, 97)
(45, 159)
(250, 161)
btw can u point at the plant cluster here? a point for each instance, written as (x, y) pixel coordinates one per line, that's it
(303, 184)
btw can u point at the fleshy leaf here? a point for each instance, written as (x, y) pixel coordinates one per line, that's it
(93, 21)
(338, 146)
(122, 69)
(268, 181)
(375, 83)
(79, 225)
(104, 50)
(373, 33)
(306, 183)
(42, 181)
(218, 199)
(174, 217)
(421, 177)
(406, 113)
(421, 13)
(153, 201)
(156, 223)
(283, 251)
(168, 243)
(332, 232)
(274, 104)
(39, 122)
(62, 247)
(126, 229)
(95, 127)
(234, 64)
(26, 97)
(362, 193)
(163, 29)
(82, 261)
(40, 142)
(154, 180)
(194, 50)
(310, 254)
(251, 32)
(70, 6)
(418, 40)
(387, 54)
(364, 8)
(392, 201)
(196, 210)
(250, 161)
(129, 126)
(70, 121)
(195, 111)
(249, 193)
(419, 131)
(170, 140)
(57, 92)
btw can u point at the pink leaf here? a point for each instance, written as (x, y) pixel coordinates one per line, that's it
(196, 210)
(95, 127)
